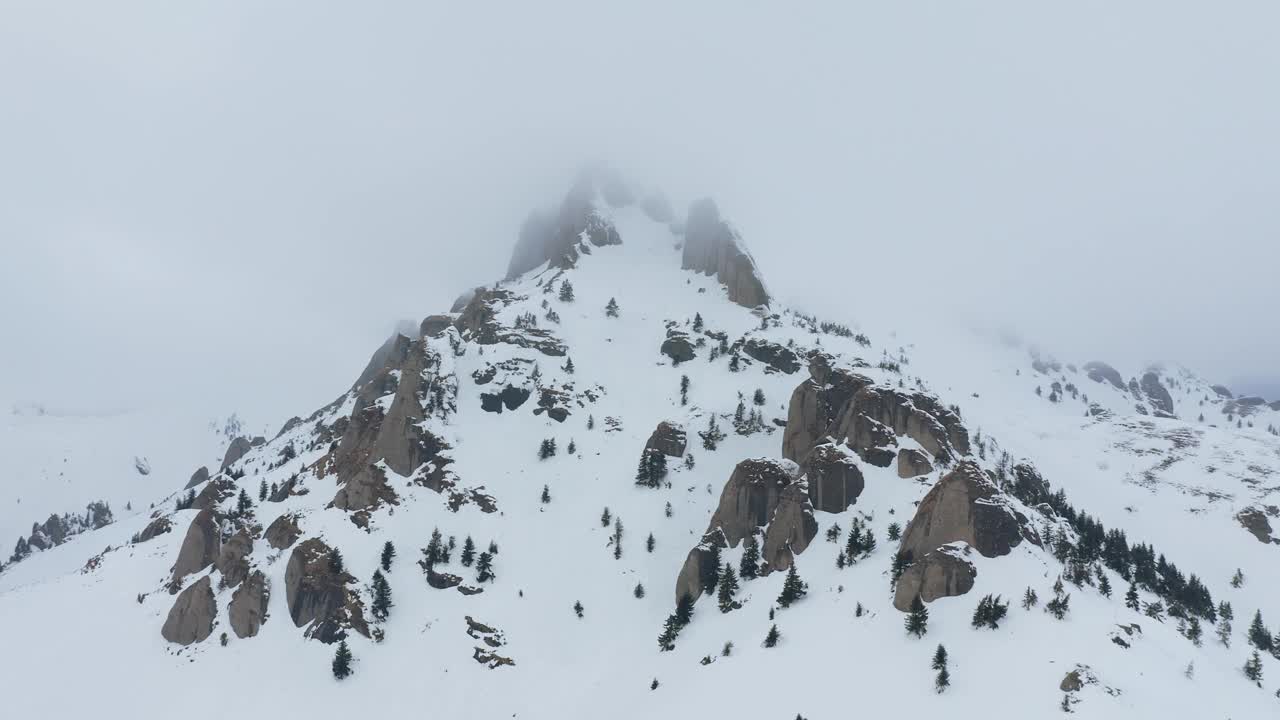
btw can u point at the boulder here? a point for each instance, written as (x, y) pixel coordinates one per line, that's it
(1071, 682)
(236, 450)
(190, 619)
(200, 547)
(248, 609)
(201, 475)
(750, 497)
(1029, 485)
(791, 528)
(913, 463)
(1222, 391)
(816, 404)
(1161, 400)
(677, 347)
(964, 506)
(713, 247)
(1099, 371)
(942, 572)
(667, 438)
(776, 356)
(700, 565)
(233, 561)
(1255, 521)
(834, 479)
(283, 531)
(508, 397)
(159, 526)
(318, 597)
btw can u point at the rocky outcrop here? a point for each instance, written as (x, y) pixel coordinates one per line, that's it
(201, 475)
(942, 572)
(816, 404)
(1222, 391)
(1255, 521)
(508, 397)
(157, 527)
(318, 597)
(834, 479)
(556, 238)
(200, 547)
(870, 421)
(1159, 397)
(283, 531)
(233, 561)
(248, 609)
(57, 529)
(216, 492)
(913, 463)
(190, 619)
(778, 357)
(964, 506)
(236, 450)
(677, 347)
(1099, 371)
(667, 438)
(790, 529)
(713, 247)
(478, 322)
(434, 326)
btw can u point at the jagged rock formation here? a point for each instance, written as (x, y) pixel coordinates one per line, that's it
(964, 506)
(834, 480)
(58, 529)
(385, 352)
(667, 438)
(216, 492)
(557, 238)
(713, 247)
(318, 596)
(1099, 371)
(283, 531)
(248, 608)
(913, 463)
(236, 450)
(816, 404)
(201, 475)
(200, 547)
(774, 355)
(233, 561)
(190, 619)
(941, 572)
(478, 322)
(1222, 391)
(159, 526)
(1255, 521)
(1161, 400)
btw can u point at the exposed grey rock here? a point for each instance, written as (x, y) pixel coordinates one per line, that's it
(913, 463)
(667, 438)
(233, 560)
(713, 247)
(318, 597)
(965, 507)
(1255, 521)
(214, 493)
(1099, 371)
(1222, 391)
(555, 239)
(834, 480)
(433, 326)
(283, 531)
(248, 609)
(876, 415)
(816, 404)
(776, 356)
(508, 397)
(1156, 393)
(942, 572)
(677, 347)
(478, 322)
(190, 619)
(156, 527)
(790, 529)
(236, 450)
(200, 547)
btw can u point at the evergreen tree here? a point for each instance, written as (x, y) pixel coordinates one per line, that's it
(468, 552)
(943, 681)
(917, 622)
(1253, 669)
(868, 543)
(262, 491)
(654, 685)
(274, 490)
(639, 591)
(1059, 606)
(774, 636)
(577, 608)
(668, 512)
(388, 554)
(758, 397)
(605, 518)
(895, 531)
(1131, 597)
(566, 291)
(611, 310)
(1225, 611)
(335, 562)
(989, 613)
(1194, 631)
(749, 567)
(711, 575)
(568, 365)
(1104, 585)
(728, 585)
(243, 503)
(1237, 580)
(435, 549)
(573, 447)
(342, 661)
(484, 568)
(939, 658)
(712, 436)
(649, 543)
(1029, 599)
(381, 596)
(652, 469)
(697, 322)
(546, 494)
(684, 609)
(1224, 632)
(792, 588)
(591, 422)
(670, 629)
(1259, 637)
(684, 389)
(735, 364)
(547, 448)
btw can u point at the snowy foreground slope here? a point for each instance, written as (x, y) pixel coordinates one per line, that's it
(444, 431)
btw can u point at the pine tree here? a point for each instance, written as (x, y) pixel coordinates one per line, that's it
(728, 585)
(335, 562)
(989, 613)
(895, 531)
(917, 622)
(1104, 585)
(274, 490)
(1059, 606)
(605, 518)
(697, 322)
(546, 494)
(244, 503)
(670, 629)
(1194, 631)
(1224, 632)
(468, 552)
(388, 554)
(262, 491)
(1253, 669)
(758, 397)
(943, 681)
(711, 572)
(735, 364)
(639, 591)
(568, 365)
(1029, 599)
(342, 661)
(381, 596)
(749, 567)
(591, 422)
(684, 609)
(484, 567)
(547, 449)
(573, 447)
(1237, 580)
(652, 469)
(577, 608)
(649, 543)
(611, 310)
(1131, 597)
(793, 588)
(435, 549)
(774, 636)
(1259, 637)
(939, 658)
(566, 291)
(684, 389)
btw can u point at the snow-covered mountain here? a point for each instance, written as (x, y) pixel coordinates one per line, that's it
(596, 438)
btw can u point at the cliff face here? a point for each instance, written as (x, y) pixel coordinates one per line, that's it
(713, 247)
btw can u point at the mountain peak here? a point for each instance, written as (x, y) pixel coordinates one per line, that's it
(713, 247)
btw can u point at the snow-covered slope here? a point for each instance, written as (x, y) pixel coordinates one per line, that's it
(446, 433)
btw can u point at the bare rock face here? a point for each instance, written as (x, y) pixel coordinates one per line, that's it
(478, 322)
(200, 547)
(778, 357)
(964, 506)
(283, 531)
(677, 347)
(434, 326)
(942, 572)
(835, 482)
(1222, 391)
(876, 415)
(216, 492)
(236, 450)
(790, 529)
(816, 404)
(248, 609)
(713, 247)
(233, 561)
(1161, 400)
(913, 463)
(201, 475)
(1099, 371)
(750, 498)
(668, 438)
(509, 397)
(155, 528)
(1255, 521)
(555, 238)
(699, 564)
(190, 619)
(318, 597)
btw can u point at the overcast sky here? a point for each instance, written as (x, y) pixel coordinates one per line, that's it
(230, 204)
